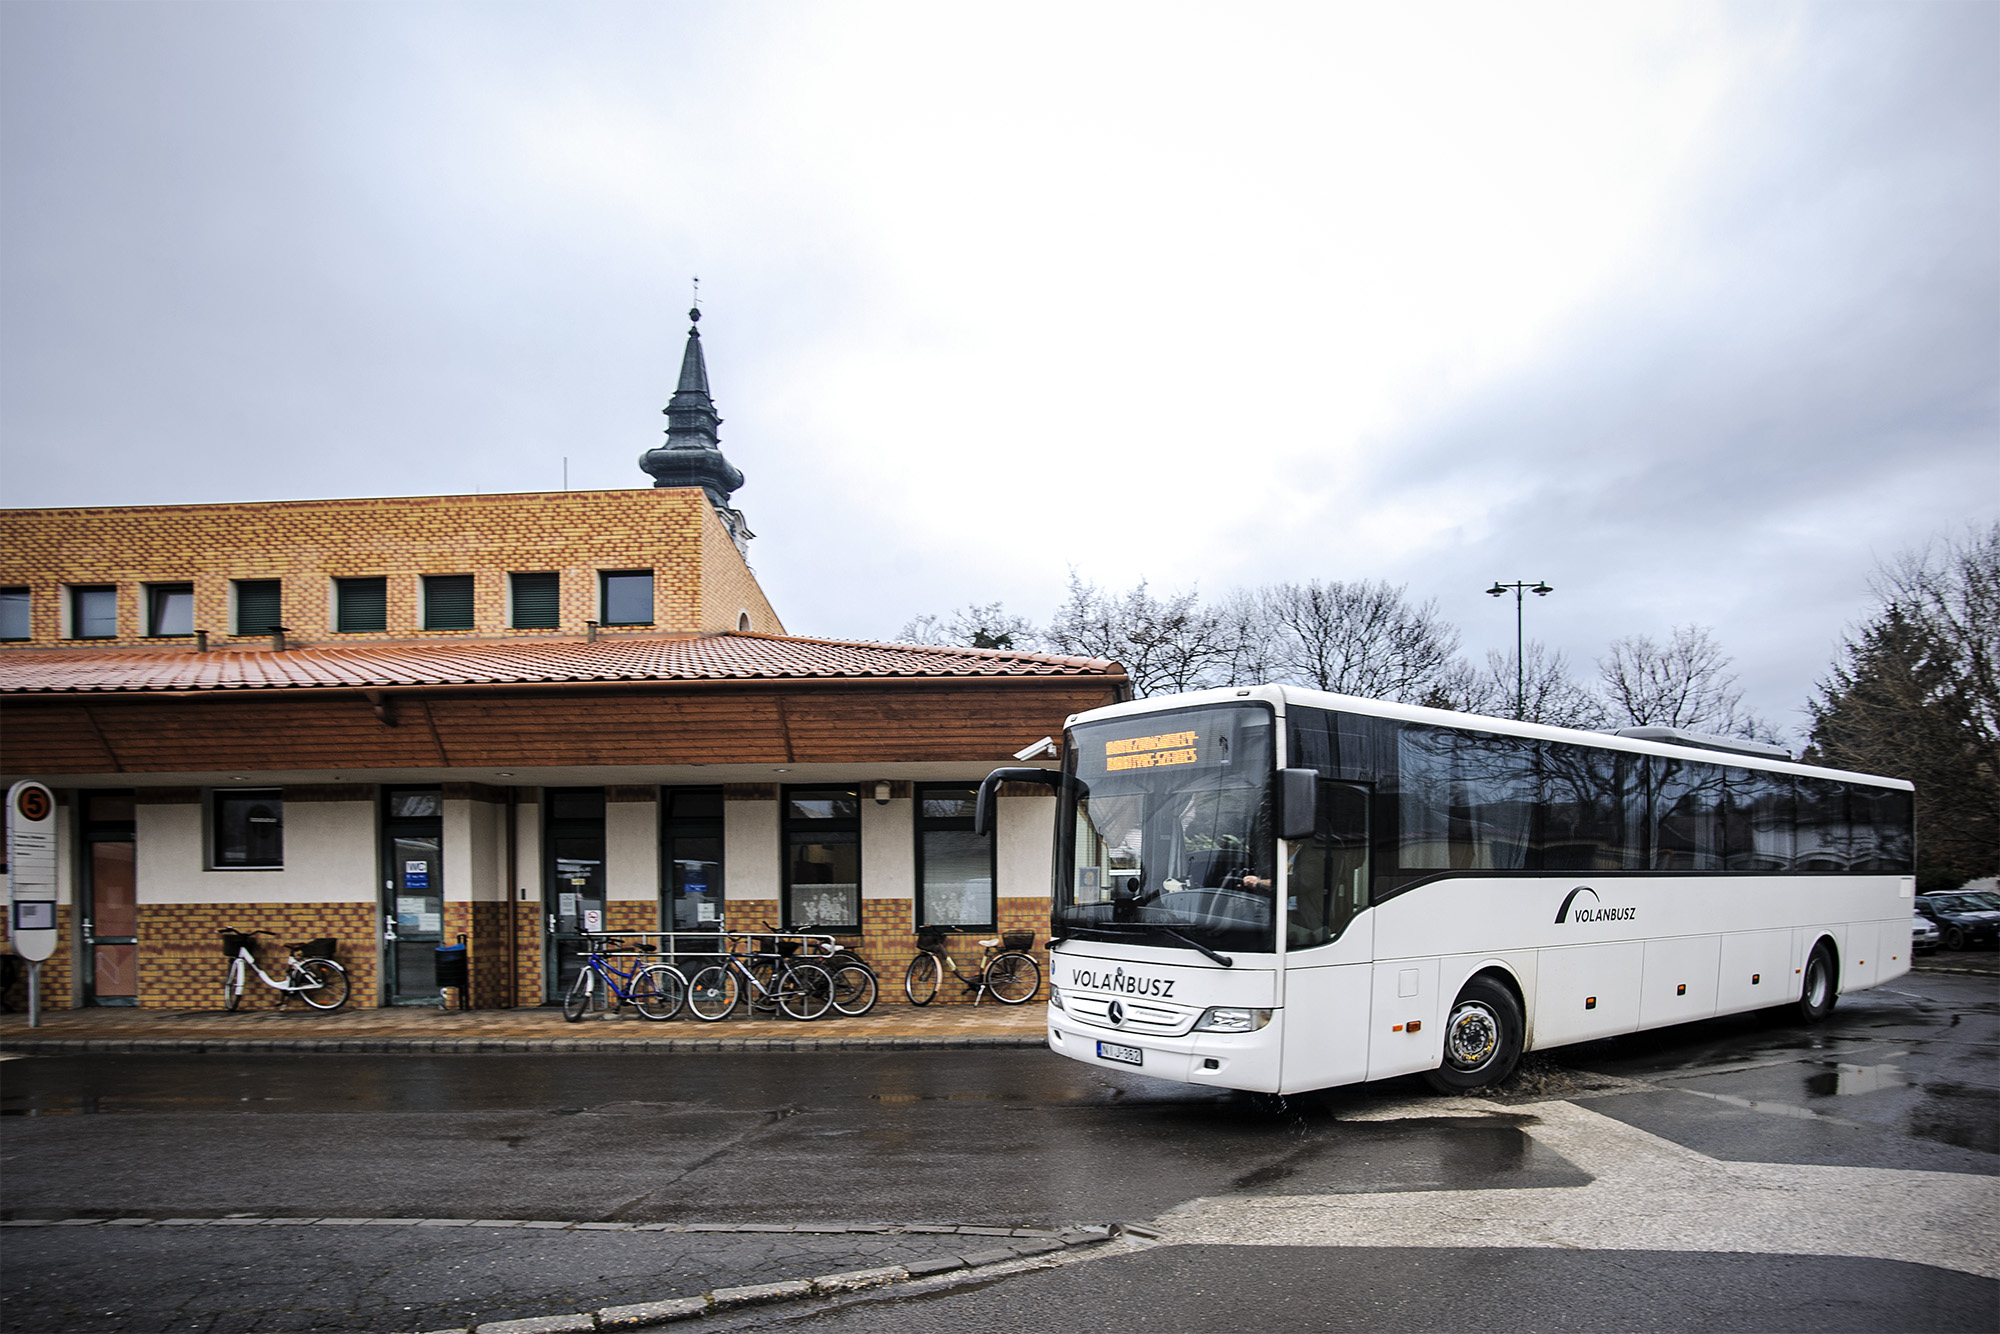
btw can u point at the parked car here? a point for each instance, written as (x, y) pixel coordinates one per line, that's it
(1924, 935)
(1964, 920)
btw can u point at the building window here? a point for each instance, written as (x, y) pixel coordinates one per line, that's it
(259, 606)
(361, 606)
(537, 601)
(822, 859)
(627, 597)
(447, 602)
(93, 612)
(247, 829)
(15, 606)
(691, 847)
(169, 609)
(954, 865)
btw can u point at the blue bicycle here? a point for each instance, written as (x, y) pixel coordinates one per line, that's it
(657, 990)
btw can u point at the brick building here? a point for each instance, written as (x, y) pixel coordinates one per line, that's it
(514, 718)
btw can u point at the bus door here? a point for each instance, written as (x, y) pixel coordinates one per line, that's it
(1329, 964)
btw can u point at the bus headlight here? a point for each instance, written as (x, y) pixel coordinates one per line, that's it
(1231, 1019)
(1055, 996)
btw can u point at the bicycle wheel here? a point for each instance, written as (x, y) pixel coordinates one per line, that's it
(659, 991)
(578, 998)
(232, 985)
(921, 978)
(1013, 978)
(854, 989)
(329, 979)
(805, 991)
(713, 993)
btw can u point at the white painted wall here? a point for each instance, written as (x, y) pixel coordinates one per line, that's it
(329, 857)
(888, 848)
(528, 854)
(1026, 833)
(475, 853)
(632, 850)
(750, 850)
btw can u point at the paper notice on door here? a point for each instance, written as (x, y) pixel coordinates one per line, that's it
(704, 912)
(593, 920)
(432, 922)
(566, 904)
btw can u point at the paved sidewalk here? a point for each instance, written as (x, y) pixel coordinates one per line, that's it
(892, 1025)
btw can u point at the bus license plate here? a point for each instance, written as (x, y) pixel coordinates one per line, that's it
(1111, 1051)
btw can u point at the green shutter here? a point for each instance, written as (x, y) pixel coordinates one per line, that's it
(362, 605)
(448, 602)
(536, 602)
(259, 606)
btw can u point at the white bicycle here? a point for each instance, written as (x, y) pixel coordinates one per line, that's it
(314, 979)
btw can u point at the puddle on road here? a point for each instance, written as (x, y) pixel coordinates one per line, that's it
(1847, 1080)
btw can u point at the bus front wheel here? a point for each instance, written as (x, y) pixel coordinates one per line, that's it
(1482, 1038)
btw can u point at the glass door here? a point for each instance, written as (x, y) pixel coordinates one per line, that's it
(413, 891)
(111, 906)
(572, 880)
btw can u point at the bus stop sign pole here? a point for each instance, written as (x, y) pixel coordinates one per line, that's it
(31, 882)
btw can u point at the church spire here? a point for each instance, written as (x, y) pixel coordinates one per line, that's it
(691, 456)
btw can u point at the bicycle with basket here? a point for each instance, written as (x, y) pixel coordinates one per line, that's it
(310, 972)
(1008, 972)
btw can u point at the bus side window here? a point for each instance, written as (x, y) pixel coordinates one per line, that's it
(1329, 872)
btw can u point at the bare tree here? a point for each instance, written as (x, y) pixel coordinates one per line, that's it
(976, 626)
(1362, 638)
(1683, 683)
(1165, 644)
(1548, 692)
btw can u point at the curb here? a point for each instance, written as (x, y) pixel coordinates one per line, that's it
(995, 1246)
(1962, 967)
(35, 1046)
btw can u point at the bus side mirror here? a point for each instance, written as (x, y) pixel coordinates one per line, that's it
(1298, 802)
(982, 808)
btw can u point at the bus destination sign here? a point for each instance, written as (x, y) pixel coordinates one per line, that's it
(1152, 752)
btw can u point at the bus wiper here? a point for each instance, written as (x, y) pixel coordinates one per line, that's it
(1222, 959)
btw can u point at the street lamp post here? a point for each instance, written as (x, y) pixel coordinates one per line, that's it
(1539, 589)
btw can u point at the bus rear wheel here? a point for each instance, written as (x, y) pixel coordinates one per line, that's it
(1482, 1039)
(1817, 996)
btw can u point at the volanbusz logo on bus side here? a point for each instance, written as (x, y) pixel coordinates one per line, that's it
(1130, 984)
(1588, 913)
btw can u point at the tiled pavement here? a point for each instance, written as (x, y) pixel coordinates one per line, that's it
(423, 1029)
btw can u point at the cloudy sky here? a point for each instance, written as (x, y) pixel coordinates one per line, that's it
(1692, 311)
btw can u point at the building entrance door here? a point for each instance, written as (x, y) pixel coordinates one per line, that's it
(111, 899)
(413, 892)
(572, 881)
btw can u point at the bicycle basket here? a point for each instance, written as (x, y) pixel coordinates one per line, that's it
(232, 941)
(321, 948)
(931, 937)
(1017, 941)
(788, 947)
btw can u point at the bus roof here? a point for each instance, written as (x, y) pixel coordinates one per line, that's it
(1281, 695)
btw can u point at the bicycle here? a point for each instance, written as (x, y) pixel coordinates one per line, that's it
(799, 989)
(855, 986)
(1009, 973)
(315, 979)
(656, 990)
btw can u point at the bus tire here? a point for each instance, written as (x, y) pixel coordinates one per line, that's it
(1817, 996)
(1482, 1038)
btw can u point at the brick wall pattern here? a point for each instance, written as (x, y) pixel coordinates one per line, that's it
(181, 961)
(700, 580)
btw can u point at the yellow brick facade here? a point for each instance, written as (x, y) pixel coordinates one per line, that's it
(700, 580)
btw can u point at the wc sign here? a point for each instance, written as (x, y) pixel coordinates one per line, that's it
(31, 870)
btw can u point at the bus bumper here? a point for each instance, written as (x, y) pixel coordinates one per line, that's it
(1247, 1061)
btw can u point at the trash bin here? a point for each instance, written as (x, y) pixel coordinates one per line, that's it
(453, 973)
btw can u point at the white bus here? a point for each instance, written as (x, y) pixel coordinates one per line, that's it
(1277, 890)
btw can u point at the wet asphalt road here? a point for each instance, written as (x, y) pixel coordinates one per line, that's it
(1902, 1078)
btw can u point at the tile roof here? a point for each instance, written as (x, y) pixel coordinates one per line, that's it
(718, 657)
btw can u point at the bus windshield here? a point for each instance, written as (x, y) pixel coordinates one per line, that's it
(1168, 817)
